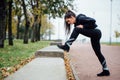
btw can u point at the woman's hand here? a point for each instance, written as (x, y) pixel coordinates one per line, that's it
(80, 26)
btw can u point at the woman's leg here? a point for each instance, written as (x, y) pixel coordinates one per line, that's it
(95, 35)
(96, 47)
(92, 33)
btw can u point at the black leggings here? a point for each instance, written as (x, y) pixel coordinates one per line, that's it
(95, 35)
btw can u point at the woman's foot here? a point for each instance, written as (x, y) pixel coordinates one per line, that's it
(104, 73)
(64, 47)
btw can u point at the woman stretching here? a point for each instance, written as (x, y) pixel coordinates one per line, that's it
(86, 26)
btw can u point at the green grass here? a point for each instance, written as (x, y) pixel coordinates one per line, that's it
(112, 44)
(12, 55)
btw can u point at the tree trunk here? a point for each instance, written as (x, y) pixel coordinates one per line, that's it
(2, 22)
(38, 32)
(18, 24)
(34, 29)
(33, 33)
(40, 27)
(6, 25)
(27, 24)
(26, 33)
(10, 37)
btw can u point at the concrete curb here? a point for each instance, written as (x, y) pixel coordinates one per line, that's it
(50, 51)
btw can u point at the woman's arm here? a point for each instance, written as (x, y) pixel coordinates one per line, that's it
(79, 26)
(87, 22)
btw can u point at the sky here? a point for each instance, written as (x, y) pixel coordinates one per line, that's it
(97, 9)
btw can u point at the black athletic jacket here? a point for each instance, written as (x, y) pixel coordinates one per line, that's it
(87, 22)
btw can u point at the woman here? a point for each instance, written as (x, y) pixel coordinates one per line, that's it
(86, 26)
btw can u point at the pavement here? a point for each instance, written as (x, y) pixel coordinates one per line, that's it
(41, 69)
(86, 64)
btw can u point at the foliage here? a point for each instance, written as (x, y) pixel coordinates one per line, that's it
(31, 9)
(70, 75)
(54, 8)
(45, 26)
(117, 34)
(14, 23)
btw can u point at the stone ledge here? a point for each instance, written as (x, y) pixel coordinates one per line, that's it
(50, 51)
(55, 43)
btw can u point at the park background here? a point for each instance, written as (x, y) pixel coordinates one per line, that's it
(101, 11)
(25, 28)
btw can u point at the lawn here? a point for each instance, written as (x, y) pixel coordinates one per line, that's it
(112, 44)
(13, 55)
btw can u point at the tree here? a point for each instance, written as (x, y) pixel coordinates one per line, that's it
(36, 11)
(51, 8)
(55, 8)
(35, 30)
(27, 24)
(10, 37)
(2, 22)
(117, 35)
(45, 27)
(38, 8)
(18, 12)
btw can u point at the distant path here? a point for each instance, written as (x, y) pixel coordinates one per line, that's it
(87, 65)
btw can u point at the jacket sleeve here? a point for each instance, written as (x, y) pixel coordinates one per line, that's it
(87, 22)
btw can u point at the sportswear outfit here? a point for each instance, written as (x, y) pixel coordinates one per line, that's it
(89, 30)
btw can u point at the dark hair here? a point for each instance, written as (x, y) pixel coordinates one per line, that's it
(68, 14)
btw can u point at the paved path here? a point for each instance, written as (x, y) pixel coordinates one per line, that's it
(86, 64)
(41, 69)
